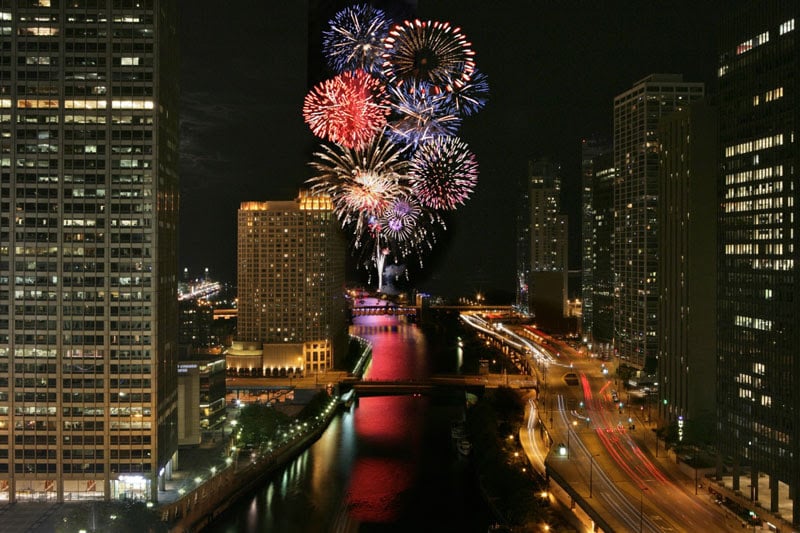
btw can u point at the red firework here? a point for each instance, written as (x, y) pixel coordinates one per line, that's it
(349, 109)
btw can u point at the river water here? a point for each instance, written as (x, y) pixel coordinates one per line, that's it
(387, 464)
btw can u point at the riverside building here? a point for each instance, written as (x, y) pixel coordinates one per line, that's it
(88, 248)
(291, 310)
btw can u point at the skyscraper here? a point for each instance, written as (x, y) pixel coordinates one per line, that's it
(758, 375)
(603, 176)
(591, 149)
(89, 203)
(637, 112)
(548, 244)
(687, 267)
(291, 268)
(523, 247)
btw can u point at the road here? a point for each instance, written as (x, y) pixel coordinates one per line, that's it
(607, 461)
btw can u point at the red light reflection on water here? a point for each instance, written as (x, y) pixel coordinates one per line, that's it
(388, 428)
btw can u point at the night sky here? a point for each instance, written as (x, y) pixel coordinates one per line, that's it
(554, 68)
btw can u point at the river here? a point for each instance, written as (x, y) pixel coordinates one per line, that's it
(386, 465)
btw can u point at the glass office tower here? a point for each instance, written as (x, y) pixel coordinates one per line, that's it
(758, 403)
(88, 248)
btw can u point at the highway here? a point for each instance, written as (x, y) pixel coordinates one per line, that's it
(598, 450)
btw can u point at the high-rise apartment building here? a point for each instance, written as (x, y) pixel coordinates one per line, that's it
(591, 149)
(758, 375)
(523, 248)
(548, 245)
(637, 113)
(603, 176)
(687, 267)
(291, 268)
(88, 240)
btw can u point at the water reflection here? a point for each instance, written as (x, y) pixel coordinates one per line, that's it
(385, 465)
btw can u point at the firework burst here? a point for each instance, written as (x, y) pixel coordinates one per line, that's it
(349, 109)
(418, 113)
(443, 173)
(362, 183)
(355, 39)
(391, 114)
(399, 221)
(434, 52)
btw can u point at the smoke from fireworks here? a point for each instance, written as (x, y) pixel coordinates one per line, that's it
(355, 39)
(434, 52)
(443, 173)
(348, 109)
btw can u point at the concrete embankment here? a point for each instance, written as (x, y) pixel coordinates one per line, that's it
(197, 508)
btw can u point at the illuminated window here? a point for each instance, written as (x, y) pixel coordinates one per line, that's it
(132, 104)
(128, 61)
(39, 31)
(787, 26)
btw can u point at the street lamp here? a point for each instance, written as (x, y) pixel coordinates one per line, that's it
(574, 423)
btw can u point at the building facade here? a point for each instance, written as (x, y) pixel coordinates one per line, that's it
(591, 149)
(88, 248)
(758, 375)
(523, 248)
(291, 266)
(637, 113)
(687, 267)
(603, 177)
(548, 245)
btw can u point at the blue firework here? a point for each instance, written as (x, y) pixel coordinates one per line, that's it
(418, 113)
(355, 39)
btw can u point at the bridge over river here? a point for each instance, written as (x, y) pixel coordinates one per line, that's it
(434, 384)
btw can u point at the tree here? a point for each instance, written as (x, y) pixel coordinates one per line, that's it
(258, 423)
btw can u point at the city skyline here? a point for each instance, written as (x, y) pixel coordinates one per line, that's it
(552, 73)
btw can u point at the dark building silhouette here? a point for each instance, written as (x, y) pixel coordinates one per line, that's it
(591, 149)
(603, 176)
(687, 266)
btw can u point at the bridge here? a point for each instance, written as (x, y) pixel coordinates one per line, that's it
(388, 309)
(435, 384)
